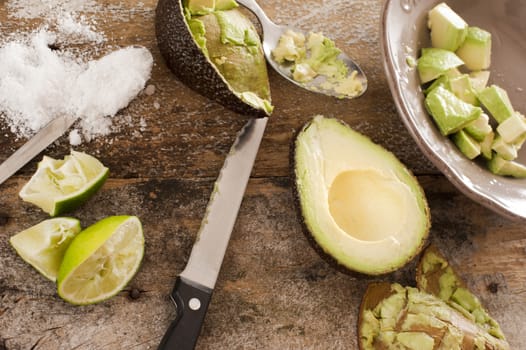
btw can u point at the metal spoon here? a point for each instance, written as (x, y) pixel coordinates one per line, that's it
(271, 35)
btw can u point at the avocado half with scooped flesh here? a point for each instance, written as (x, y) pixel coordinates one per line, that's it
(434, 275)
(397, 317)
(216, 51)
(441, 313)
(359, 204)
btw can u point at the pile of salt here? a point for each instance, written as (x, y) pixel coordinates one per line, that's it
(38, 83)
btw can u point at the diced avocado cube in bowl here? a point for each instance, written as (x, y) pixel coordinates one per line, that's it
(505, 150)
(479, 79)
(495, 99)
(512, 128)
(435, 62)
(461, 86)
(500, 166)
(448, 29)
(466, 144)
(449, 112)
(476, 49)
(485, 146)
(479, 128)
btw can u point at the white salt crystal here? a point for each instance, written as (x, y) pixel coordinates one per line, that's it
(74, 138)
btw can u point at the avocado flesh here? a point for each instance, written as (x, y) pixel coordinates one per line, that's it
(448, 29)
(417, 320)
(476, 49)
(466, 144)
(344, 184)
(500, 166)
(449, 112)
(316, 56)
(232, 45)
(435, 276)
(497, 102)
(436, 62)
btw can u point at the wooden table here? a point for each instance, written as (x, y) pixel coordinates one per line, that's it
(274, 291)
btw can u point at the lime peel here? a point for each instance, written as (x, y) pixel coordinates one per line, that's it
(101, 260)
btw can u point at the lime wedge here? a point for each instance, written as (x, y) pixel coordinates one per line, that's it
(59, 186)
(43, 245)
(101, 260)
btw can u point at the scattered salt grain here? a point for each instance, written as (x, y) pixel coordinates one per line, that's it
(150, 90)
(156, 105)
(78, 28)
(142, 124)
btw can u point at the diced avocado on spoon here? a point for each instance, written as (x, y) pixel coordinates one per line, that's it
(440, 313)
(457, 100)
(313, 62)
(215, 49)
(360, 206)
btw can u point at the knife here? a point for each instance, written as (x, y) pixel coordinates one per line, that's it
(43, 138)
(193, 287)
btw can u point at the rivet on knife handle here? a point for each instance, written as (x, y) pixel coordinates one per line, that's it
(192, 302)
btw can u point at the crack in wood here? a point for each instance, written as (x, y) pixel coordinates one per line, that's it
(34, 346)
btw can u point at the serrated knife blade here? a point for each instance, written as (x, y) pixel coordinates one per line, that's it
(194, 286)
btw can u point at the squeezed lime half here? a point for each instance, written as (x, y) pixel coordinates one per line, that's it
(59, 186)
(101, 260)
(43, 245)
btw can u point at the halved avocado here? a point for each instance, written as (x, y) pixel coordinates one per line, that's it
(199, 59)
(361, 207)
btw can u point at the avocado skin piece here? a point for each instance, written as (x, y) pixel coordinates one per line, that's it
(329, 259)
(188, 62)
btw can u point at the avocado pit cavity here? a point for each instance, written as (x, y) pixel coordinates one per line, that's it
(368, 205)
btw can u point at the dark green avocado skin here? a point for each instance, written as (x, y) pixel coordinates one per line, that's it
(188, 63)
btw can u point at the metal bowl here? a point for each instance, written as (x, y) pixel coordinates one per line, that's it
(404, 32)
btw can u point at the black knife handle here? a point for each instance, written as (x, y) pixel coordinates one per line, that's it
(192, 301)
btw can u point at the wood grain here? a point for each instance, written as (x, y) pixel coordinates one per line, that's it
(274, 291)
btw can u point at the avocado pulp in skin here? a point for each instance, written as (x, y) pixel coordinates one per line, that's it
(396, 317)
(437, 277)
(231, 43)
(359, 204)
(440, 314)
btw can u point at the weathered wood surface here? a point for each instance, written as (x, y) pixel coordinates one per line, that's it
(274, 291)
